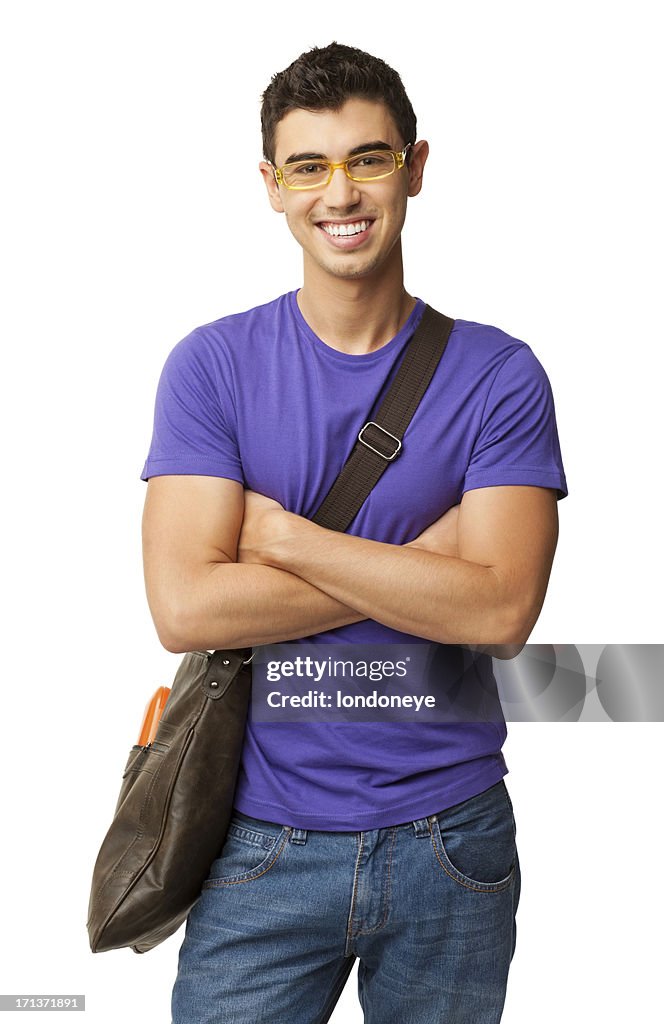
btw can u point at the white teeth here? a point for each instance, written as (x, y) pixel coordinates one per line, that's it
(345, 229)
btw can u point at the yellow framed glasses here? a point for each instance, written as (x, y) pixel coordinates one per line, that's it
(301, 175)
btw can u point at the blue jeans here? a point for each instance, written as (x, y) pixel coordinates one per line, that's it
(428, 907)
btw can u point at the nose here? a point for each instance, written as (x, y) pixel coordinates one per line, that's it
(341, 191)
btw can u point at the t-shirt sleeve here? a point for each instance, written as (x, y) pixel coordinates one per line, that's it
(518, 438)
(194, 422)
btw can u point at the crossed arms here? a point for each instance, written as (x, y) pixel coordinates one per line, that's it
(230, 568)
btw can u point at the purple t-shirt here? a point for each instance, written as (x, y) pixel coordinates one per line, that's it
(257, 397)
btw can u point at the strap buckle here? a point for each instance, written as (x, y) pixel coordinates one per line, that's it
(388, 458)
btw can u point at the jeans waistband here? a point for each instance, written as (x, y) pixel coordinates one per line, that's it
(421, 828)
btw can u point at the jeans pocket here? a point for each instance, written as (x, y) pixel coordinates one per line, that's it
(475, 841)
(250, 850)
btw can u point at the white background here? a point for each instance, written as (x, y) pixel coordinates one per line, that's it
(133, 211)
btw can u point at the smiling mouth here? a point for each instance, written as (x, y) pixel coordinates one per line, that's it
(344, 230)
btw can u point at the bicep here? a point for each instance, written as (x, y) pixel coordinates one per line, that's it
(189, 523)
(513, 530)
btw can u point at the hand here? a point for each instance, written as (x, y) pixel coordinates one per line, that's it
(441, 536)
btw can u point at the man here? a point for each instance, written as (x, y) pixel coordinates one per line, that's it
(388, 841)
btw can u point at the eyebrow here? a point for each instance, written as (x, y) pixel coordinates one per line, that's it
(366, 147)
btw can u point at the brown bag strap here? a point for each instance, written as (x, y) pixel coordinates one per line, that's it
(380, 441)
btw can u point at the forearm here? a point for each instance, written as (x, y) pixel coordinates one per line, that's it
(438, 597)
(241, 602)
(236, 605)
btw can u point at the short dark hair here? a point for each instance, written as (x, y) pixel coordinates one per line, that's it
(323, 78)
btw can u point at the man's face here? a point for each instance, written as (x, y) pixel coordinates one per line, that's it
(378, 208)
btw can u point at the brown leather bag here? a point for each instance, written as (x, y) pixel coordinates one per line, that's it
(174, 806)
(177, 792)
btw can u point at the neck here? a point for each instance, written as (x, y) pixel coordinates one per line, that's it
(355, 315)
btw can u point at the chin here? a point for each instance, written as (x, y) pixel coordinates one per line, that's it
(352, 269)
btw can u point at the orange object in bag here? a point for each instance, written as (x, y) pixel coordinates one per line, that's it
(152, 715)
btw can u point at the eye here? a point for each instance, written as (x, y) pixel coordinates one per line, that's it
(373, 160)
(306, 170)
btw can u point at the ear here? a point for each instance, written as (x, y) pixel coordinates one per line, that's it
(417, 158)
(271, 185)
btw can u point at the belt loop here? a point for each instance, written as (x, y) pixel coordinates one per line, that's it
(421, 827)
(299, 836)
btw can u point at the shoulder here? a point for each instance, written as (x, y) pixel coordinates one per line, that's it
(491, 354)
(231, 341)
(486, 342)
(235, 333)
